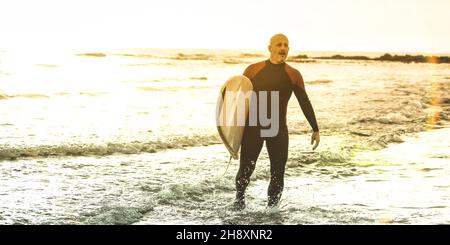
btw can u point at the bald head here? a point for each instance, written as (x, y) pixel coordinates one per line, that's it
(279, 48)
(276, 37)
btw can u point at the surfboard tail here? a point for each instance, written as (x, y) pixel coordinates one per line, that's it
(232, 111)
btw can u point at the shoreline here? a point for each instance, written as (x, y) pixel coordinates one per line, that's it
(194, 54)
(385, 58)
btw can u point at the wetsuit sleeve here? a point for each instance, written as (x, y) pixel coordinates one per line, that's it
(253, 69)
(305, 103)
(248, 72)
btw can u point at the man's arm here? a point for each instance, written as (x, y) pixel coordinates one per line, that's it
(306, 106)
(305, 103)
(302, 98)
(308, 111)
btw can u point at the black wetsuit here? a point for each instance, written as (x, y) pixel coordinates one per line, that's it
(266, 76)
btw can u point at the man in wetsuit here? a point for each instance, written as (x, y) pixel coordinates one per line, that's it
(272, 75)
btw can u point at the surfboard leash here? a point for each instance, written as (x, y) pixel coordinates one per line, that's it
(228, 165)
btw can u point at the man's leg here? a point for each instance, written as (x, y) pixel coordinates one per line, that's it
(250, 148)
(277, 148)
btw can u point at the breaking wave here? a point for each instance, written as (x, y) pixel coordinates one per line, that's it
(391, 118)
(116, 215)
(233, 61)
(225, 57)
(109, 148)
(170, 88)
(250, 55)
(324, 157)
(319, 82)
(48, 65)
(28, 96)
(47, 96)
(92, 54)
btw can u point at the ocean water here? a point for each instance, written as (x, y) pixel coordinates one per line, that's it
(129, 137)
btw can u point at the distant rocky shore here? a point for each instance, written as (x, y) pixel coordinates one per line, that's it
(385, 57)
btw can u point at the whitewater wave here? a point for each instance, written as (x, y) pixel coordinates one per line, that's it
(319, 82)
(199, 78)
(386, 139)
(182, 56)
(92, 54)
(116, 215)
(175, 194)
(170, 88)
(226, 58)
(48, 65)
(324, 157)
(391, 118)
(251, 55)
(145, 56)
(232, 61)
(47, 96)
(167, 79)
(109, 148)
(172, 194)
(28, 96)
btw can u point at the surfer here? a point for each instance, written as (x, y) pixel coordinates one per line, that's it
(273, 75)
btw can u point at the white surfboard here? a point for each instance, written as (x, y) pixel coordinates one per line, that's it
(232, 112)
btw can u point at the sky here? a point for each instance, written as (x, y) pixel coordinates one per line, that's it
(321, 25)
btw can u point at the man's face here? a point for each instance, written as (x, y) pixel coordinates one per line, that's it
(279, 49)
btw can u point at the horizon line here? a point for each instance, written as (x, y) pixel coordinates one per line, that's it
(88, 49)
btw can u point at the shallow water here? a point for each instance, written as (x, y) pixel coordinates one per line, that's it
(131, 139)
(66, 104)
(185, 186)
